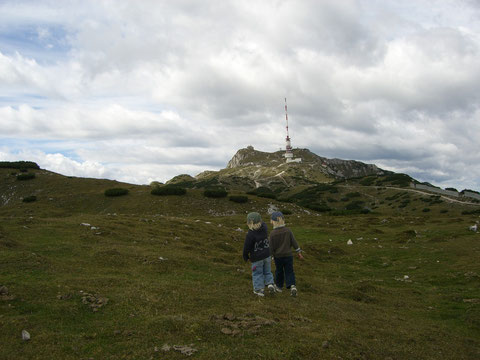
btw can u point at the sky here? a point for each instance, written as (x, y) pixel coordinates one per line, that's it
(142, 91)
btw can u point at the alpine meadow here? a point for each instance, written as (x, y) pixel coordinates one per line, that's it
(98, 269)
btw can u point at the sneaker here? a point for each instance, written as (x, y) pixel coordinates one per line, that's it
(293, 290)
(271, 289)
(259, 293)
(277, 289)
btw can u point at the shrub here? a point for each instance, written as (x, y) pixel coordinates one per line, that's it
(352, 195)
(471, 212)
(116, 192)
(286, 211)
(319, 207)
(367, 181)
(19, 165)
(355, 205)
(238, 199)
(168, 190)
(215, 193)
(267, 195)
(426, 210)
(28, 199)
(26, 176)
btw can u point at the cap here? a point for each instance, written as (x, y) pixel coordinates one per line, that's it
(254, 217)
(276, 215)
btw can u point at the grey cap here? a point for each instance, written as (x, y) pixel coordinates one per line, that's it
(276, 215)
(254, 218)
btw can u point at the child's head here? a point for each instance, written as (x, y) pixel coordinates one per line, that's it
(254, 221)
(277, 219)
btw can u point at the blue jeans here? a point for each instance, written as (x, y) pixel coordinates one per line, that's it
(262, 273)
(284, 271)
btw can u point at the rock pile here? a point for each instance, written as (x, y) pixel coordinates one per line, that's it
(233, 325)
(95, 302)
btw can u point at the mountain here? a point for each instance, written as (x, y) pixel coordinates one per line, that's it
(250, 169)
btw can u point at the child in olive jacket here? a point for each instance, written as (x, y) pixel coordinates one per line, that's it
(256, 249)
(281, 242)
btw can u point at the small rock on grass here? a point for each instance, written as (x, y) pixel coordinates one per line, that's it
(25, 335)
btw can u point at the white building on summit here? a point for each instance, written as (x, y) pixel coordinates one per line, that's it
(288, 148)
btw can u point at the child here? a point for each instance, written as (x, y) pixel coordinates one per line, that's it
(281, 241)
(256, 248)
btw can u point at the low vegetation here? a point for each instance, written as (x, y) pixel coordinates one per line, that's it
(116, 192)
(25, 176)
(238, 199)
(168, 190)
(215, 193)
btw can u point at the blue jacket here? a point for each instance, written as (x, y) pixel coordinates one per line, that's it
(256, 246)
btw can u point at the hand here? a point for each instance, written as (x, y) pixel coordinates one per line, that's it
(300, 256)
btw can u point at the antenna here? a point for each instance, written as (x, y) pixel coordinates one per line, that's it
(288, 147)
(286, 118)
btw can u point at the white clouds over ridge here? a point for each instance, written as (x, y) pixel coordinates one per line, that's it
(188, 83)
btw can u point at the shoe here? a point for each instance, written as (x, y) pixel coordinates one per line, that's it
(277, 289)
(259, 293)
(293, 290)
(271, 289)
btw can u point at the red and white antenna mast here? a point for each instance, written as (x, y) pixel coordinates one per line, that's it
(289, 151)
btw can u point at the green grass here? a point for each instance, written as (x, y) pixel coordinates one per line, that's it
(172, 271)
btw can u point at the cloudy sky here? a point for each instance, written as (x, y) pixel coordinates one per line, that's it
(145, 90)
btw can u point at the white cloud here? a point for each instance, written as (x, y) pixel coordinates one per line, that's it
(187, 83)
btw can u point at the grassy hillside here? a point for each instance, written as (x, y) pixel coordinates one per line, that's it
(130, 277)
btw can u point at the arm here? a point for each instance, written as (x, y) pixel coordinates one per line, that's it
(294, 243)
(246, 248)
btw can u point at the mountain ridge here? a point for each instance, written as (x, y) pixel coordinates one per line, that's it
(251, 168)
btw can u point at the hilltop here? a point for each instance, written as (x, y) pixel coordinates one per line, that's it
(250, 169)
(391, 272)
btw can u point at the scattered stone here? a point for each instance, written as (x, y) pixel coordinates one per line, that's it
(95, 302)
(473, 228)
(64, 296)
(226, 331)
(349, 242)
(85, 224)
(325, 344)
(239, 230)
(3, 290)
(162, 259)
(235, 325)
(187, 350)
(471, 301)
(25, 335)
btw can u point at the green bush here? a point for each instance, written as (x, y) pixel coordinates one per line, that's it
(18, 165)
(29, 199)
(27, 176)
(267, 195)
(355, 205)
(116, 192)
(238, 199)
(319, 207)
(367, 181)
(352, 195)
(168, 190)
(471, 212)
(215, 193)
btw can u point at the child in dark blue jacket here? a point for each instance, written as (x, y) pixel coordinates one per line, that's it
(256, 249)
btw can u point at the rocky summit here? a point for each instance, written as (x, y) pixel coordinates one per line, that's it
(250, 168)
